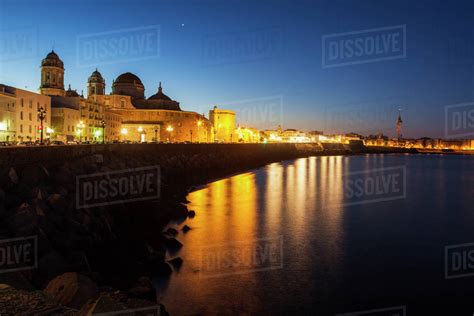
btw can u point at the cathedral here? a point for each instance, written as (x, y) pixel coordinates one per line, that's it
(123, 115)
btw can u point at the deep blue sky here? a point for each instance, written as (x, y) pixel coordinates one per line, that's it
(436, 72)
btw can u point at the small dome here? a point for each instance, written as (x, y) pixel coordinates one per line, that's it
(96, 77)
(71, 93)
(128, 77)
(53, 60)
(160, 95)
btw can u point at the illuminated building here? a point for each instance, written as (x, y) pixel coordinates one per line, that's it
(127, 114)
(19, 114)
(223, 123)
(248, 135)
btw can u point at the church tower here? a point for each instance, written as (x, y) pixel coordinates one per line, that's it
(399, 125)
(95, 84)
(52, 75)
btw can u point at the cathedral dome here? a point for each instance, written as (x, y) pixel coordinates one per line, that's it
(53, 60)
(96, 77)
(129, 84)
(128, 77)
(160, 95)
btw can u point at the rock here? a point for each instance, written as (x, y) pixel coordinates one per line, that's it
(24, 221)
(32, 175)
(13, 176)
(186, 228)
(191, 214)
(143, 289)
(57, 202)
(176, 262)
(4, 286)
(171, 231)
(172, 243)
(158, 267)
(49, 266)
(72, 289)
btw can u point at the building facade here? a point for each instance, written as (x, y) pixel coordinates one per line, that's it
(223, 124)
(19, 119)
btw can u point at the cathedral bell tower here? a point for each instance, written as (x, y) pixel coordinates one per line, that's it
(95, 84)
(52, 75)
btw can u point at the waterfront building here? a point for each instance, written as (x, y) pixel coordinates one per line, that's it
(223, 123)
(7, 114)
(248, 135)
(19, 120)
(294, 136)
(128, 115)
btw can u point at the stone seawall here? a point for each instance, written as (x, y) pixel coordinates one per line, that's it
(17, 156)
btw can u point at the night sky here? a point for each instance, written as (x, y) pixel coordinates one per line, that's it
(436, 70)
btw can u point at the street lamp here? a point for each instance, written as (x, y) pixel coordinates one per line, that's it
(169, 129)
(41, 116)
(102, 124)
(80, 127)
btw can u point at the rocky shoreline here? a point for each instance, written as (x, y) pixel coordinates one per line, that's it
(108, 253)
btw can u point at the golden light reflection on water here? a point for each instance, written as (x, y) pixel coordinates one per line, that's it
(285, 202)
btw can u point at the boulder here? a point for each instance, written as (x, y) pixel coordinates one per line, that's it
(72, 289)
(143, 289)
(171, 231)
(176, 262)
(24, 221)
(172, 243)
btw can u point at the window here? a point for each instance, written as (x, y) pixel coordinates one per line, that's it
(31, 104)
(21, 128)
(21, 115)
(29, 128)
(21, 102)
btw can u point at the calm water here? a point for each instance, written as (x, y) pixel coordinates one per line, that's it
(326, 257)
